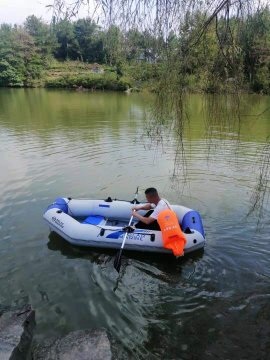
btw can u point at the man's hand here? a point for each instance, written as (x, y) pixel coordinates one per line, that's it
(134, 213)
(134, 208)
(129, 229)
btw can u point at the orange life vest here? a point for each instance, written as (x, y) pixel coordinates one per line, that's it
(172, 235)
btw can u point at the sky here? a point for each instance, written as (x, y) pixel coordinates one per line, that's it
(16, 11)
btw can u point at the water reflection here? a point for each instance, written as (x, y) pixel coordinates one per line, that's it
(168, 268)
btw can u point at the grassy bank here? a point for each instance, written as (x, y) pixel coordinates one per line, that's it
(75, 74)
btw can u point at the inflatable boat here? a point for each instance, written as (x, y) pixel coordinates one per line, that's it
(100, 223)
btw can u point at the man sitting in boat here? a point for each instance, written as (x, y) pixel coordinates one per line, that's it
(155, 205)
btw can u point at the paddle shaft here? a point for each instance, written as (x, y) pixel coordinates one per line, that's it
(124, 240)
(117, 261)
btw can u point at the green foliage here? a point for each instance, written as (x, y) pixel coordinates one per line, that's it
(81, 40)
(142, 46)
(144, 74)
(88, 35)
(68, 44)
(9, 76)
(224, 57)
(114, 45)
(261, 80)
(43, 35)
(21, 64)
(93, 82)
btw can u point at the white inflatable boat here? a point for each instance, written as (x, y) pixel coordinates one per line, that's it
(99, 224)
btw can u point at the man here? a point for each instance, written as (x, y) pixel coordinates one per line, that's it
(155, 205)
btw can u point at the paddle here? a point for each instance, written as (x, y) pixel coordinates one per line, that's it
(117, 260)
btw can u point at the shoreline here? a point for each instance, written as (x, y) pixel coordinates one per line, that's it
(129, 90)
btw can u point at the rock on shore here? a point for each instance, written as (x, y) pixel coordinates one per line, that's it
(77, 345)
(16, 332)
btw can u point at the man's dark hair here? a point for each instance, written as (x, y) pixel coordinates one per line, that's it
(151, 191)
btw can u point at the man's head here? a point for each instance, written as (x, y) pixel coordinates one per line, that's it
(152, 196)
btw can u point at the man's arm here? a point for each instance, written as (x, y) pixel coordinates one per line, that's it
(142, 207)
(145, 220)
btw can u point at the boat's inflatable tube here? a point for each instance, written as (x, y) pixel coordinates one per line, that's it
(99, 223)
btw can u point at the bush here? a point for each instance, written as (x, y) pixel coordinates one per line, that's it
(261, 82)
(93, 82)
(9, 76)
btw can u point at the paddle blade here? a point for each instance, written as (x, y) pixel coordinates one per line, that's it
(117, 260)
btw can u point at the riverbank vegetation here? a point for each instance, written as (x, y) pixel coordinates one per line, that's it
(81, 54)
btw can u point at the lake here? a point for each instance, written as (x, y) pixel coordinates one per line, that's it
(211, 304)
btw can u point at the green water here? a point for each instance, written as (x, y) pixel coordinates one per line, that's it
(212, 304)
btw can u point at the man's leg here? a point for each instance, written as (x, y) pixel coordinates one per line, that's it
(153, 226)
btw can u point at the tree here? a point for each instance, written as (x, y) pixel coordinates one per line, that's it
(255, 42)
(43, 35)
(9, 76)
(68, 44)
(89, 38)
(114, 45)
(20, 62)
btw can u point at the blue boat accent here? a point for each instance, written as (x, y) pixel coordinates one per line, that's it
(93, 220)
(115, 235)
(60, 204)
(192, 220)
(103, 205)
